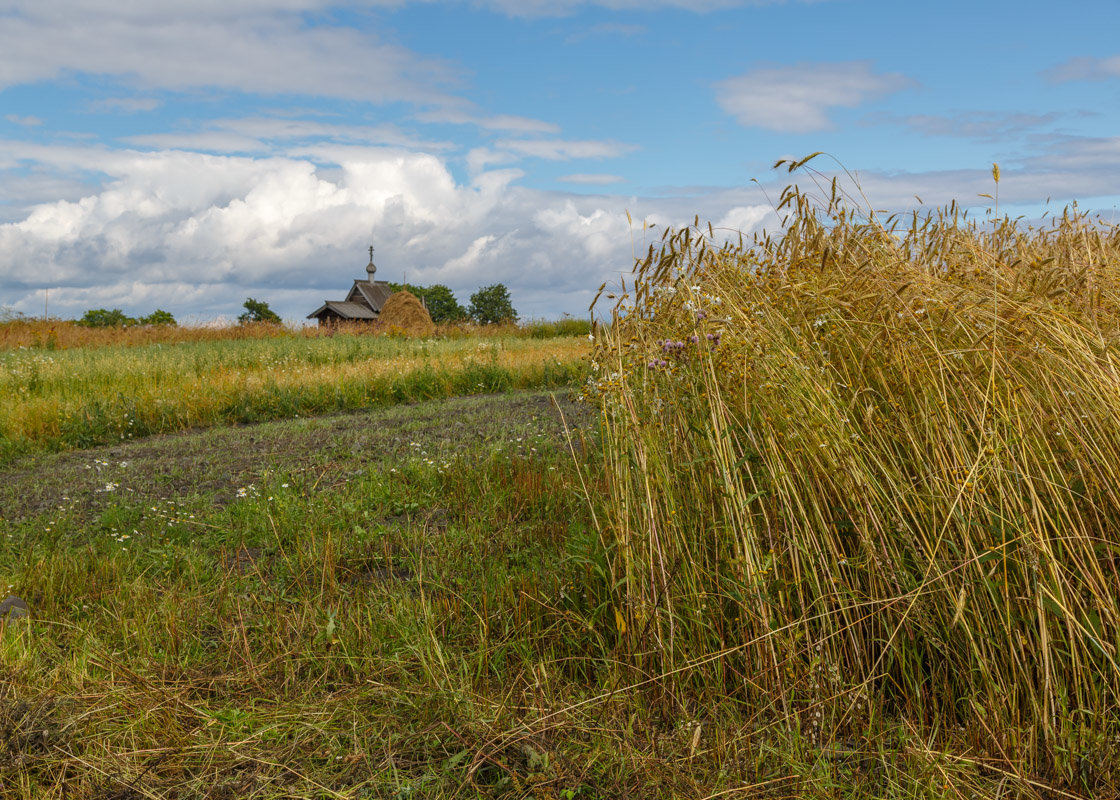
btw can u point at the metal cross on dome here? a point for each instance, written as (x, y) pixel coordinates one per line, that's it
(371, 252)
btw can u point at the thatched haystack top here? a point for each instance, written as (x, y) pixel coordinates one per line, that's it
(403, 310)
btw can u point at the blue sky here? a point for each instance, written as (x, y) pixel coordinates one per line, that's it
(186, 155)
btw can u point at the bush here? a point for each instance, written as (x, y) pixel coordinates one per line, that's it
(258, 311)
(491, 304)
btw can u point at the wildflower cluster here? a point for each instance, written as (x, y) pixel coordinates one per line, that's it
(678, 349)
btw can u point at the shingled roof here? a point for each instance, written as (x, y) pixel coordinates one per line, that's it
(340, 309)
(369, 293)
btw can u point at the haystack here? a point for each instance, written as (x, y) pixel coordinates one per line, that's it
(403, 311)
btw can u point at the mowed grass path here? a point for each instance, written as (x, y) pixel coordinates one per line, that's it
(365, 605)
(58, 399)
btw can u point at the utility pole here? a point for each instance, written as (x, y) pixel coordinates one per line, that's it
(46, 297)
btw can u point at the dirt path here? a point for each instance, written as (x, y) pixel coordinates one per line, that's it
(218, 461)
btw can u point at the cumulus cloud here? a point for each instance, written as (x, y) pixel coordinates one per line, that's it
(797, 99)
(742, 219)
(197, 233)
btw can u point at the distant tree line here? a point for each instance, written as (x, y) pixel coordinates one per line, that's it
(115, 318)
(489, 305)
(255, 311)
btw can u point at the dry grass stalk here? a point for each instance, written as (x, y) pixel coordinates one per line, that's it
(868, 470)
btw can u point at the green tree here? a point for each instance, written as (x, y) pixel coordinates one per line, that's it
(104, 318)
(159, 317)
(442, 304)
(258, 311)
(492, 304)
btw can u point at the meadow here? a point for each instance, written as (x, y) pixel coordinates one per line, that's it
(831, 513)
(129, 386)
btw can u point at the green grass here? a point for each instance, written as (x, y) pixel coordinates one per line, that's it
(331, 630)
(86, 396)
(548, 329)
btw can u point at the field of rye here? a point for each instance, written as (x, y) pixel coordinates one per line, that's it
(837, 516)
(863, 483)
(79, 396)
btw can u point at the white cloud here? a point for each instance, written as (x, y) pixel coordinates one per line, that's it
(479, 158)
(467, 262)
(196, 234)
(564, 150)
(591, 179)
(984, 125)
(256, 46)
(1085, 68)
(1064, 169)
(1080, 153)
(497, 122)
(611, 29)
(559, 8)
(27, 122)
(127, 105)
(797, 99)
(597, 233)
(208, 141)
(272, 134)
(287, 46)
(741, 219)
